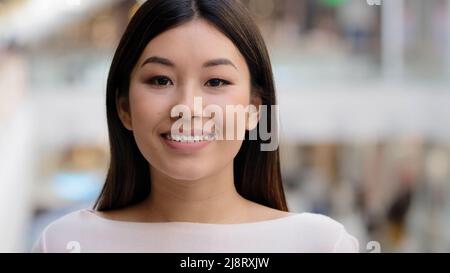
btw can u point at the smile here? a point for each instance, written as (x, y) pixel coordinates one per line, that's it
(187, 144)
(189, 139)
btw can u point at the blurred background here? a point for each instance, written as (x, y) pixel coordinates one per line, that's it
(364, 94)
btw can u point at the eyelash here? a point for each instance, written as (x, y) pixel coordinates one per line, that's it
(153, 81)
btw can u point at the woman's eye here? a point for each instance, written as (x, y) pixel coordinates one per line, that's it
(217, 82)
(160, 81)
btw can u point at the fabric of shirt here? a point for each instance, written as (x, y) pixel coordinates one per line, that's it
(86, 231)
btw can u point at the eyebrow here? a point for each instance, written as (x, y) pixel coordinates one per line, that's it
(221, 61)
(158, 60)
(167, 62)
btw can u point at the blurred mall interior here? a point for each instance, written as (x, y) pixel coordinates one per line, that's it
(364, 95)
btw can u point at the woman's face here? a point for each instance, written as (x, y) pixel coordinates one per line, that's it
(191, 60)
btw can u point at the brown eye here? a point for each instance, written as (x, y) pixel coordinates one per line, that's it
(217, 83)
(160, 81)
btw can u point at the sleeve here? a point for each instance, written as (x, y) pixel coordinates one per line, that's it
(346, 243)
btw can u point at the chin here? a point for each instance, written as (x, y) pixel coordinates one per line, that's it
(187, 175)
(187, 171)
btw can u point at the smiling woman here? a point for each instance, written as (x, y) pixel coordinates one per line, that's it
(170, 193)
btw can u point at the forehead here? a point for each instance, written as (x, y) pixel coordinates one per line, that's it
(193, 42)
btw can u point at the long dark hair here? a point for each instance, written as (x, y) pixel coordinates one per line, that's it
(257, 174)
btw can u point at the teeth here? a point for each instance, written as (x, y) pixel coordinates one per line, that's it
(182, 138)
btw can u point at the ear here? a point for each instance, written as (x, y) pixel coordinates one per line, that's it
(123, 110)
(254, 115)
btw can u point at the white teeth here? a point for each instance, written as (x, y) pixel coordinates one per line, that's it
(182, 138)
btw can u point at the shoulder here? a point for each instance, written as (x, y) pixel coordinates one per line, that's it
(313, 232)
(65, 231)
(323, 233)
(71, 221)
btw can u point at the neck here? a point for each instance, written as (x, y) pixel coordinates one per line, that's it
(212, 199)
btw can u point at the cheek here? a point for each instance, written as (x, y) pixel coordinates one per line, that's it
(146, 110)
(147, 113)
(233, 120)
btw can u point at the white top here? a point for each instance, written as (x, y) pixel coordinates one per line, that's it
(85, 231)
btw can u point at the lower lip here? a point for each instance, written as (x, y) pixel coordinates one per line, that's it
(185, 146)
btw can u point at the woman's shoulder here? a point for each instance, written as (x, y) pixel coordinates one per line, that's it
(324, 232)
(71, 220)
(312, 232)
(306, 220)
(316, 220)
(67, 228)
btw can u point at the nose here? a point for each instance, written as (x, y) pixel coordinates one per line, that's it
(189, 106)
(189, 97)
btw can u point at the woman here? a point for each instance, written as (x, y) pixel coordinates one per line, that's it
(185, 189)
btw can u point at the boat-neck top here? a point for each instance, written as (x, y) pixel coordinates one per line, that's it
(85, 231)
